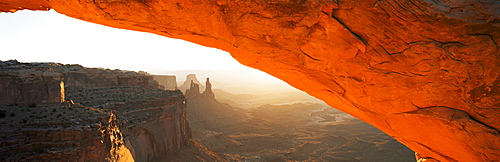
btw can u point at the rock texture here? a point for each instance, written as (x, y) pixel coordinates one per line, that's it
(131, 120)
(153, 121)
(82, 134)
(79, 76)
(425, 72)
(26, 86)
(169, 82)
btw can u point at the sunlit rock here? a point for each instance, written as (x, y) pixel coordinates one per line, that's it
(425, 72)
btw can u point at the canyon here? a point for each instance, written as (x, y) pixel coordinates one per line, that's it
(278, 127)
(424, 72)
(99, 115)
(117, 115)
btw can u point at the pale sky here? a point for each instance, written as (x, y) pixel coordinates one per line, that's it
(46, 36)
(41, 36)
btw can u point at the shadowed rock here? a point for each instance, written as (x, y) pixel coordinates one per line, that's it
(208, 90)
(130, 119)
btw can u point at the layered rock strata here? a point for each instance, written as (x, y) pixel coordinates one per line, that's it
(425, 72)
(60, 132)
(146, 123)
(37, 125)
(79, 76)
(25, 86)
(153, 123)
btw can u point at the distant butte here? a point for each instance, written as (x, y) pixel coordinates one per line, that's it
(191, 78)
(425, 72)
(168, 82)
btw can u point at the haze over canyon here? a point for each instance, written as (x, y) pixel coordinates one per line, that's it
(142, 117)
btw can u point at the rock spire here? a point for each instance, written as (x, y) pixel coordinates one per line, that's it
(193, 91)
(187, 84)
(208, 89)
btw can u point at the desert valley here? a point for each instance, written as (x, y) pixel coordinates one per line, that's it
(53, 111)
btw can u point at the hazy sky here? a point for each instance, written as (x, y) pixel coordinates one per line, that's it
(46, 36)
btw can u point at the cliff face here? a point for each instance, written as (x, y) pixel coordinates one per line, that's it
(153, 121)
(425, 72)
(79, 76)
(25, 86)
(134, 121)
(60, 132)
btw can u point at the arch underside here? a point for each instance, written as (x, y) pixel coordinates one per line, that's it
(425, 72)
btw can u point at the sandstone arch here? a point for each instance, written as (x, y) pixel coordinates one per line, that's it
(425, 72)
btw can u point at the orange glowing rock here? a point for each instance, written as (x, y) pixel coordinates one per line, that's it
(424, 72)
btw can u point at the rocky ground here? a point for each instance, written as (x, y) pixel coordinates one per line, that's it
(58, 132)
(125, 116)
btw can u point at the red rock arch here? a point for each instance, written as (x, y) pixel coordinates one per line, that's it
(424, 72)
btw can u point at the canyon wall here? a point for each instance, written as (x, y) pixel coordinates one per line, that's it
(25, 86)
(38, 125)
(153, 121)
(79, 76)
(140, 122)
(76, 133)
(425, 72)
